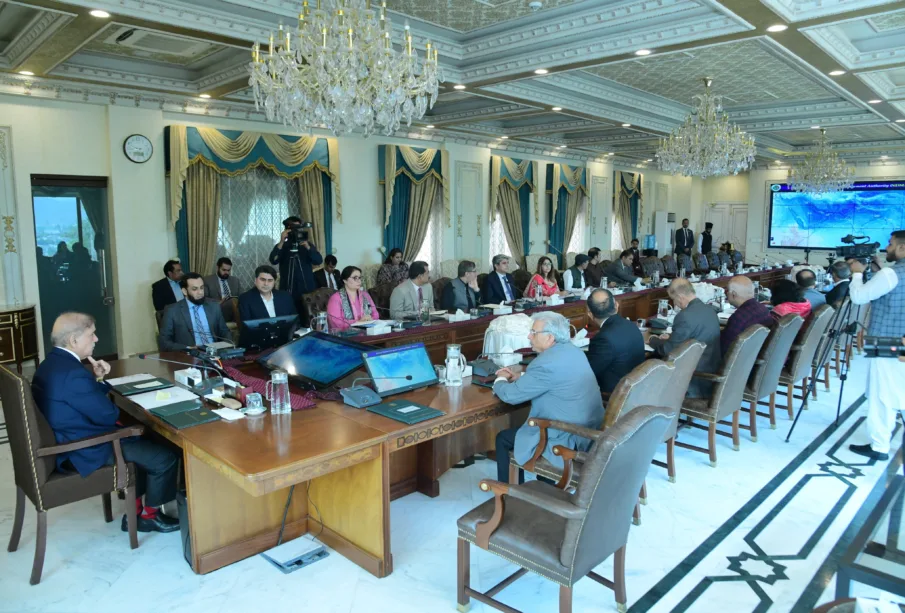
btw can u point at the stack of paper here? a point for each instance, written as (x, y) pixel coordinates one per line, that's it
(171, 395)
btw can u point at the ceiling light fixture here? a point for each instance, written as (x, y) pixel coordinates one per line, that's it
(556, 108)
(643, 52)
(626, 125)
(205, 96)
(430, 126)
(900, 120)
(459, 87)
(561, 147)
(611, 153)
(504, 137)
(779, 27)
(706, 144)
(650, 160)
(815, 127)
(541, 71)
(874, 101)
(99, 14)
(837, 73)
(339, 69)
(822, 171)
(26, 73)
(883, 157)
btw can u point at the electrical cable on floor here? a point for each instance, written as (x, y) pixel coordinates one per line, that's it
(285, 512)
(320, 519)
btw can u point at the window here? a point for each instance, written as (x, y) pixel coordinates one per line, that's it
(432, 248)
(578, 243)
(498, 243)
(253, 206)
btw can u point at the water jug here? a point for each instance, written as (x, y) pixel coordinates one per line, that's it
(277, 392)
(455, 365)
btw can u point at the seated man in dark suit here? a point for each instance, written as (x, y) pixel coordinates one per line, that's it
(740, 294)
(619, 345)
(167, 291)
(841, 277)
(696, 321)
(621, 270)
(637, 269)
(221, 287)
(499, 286)
(74, 401)
(328, 276)
(264, 302)
(462, 292)
(194, 322)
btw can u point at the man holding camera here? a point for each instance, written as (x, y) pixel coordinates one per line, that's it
(295, 255)
(885, 393)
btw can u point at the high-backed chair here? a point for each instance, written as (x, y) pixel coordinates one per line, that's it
(685, 359)
(724, 258)
(798, 367)
(34, 449)
(381, 297)
(438, 286)
(521, 278)
(738, 257)
(369, 275)
(701, 265)
(670, 266)
(729, 386)
(685, 261)
(650, 265)
(559, 535)
(316, 301)
(713, 260)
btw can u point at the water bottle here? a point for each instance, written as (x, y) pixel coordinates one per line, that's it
(655, 278)
(277, 392)
(455, 365)
(425, 312)
(538, 293)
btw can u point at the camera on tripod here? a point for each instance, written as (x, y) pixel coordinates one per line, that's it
(852, 250)
(298, 233)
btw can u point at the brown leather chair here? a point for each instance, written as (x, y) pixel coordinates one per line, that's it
(521, 278)
(685, 359)
(798, 367)
(33, 449)
(767, 368)
(559, 535)
(316, 301)
(670, 266)
(729, 386)
(438, 286)
(380, 294)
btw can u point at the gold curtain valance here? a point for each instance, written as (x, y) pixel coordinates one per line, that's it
(420, 163)
(200, 159)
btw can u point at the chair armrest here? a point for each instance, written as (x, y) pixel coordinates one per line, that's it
(709, 376)
(569, 457)
(760, 362)
(797, 347)
(565, 426)
(90, 441)
(563, 509)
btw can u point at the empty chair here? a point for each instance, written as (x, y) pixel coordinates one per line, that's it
(714, 260)
(685, 359)
(563, 536)
(34, 450)
(798, 367)
(438, 286)
(650, 265)
(738, 257)
(729, 386)
(767, 368)
(685, 261)
(669, 265)
(724, 258)
(701, 265)
(381, 296)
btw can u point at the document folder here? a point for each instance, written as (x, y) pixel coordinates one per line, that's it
(405, 411)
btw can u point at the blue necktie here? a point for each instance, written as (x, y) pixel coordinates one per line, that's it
(200, 334)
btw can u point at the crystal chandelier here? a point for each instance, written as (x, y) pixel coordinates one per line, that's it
(339, 70)
(822, 170)
(706, 144)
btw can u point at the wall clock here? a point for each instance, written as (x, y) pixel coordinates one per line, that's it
(138, 148)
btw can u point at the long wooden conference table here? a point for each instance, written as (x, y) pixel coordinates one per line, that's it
(345, 464)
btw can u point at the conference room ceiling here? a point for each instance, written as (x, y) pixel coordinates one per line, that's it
(775, 85)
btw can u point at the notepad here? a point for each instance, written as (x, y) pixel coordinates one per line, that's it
(406, 412)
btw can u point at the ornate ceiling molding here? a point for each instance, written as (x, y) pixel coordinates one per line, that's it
(881, 82)
(35, 34)
(120, 77)
(858, 119)
(807, 109)
(836, 44)
(802, 10)
(485, 113)
(575, 125)
(619, 94)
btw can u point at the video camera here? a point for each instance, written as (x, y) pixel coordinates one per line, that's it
(863, 251)
(298, 233)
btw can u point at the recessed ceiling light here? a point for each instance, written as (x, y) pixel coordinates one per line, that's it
(429, 126)
(611, 153)
(874, 101)
(837, 73)
(883, 157)
(900, 120)
(815, 127)
(503, 137)
(460, 86)
(541, 71)
(779, 27)
(99, 14)
(651, 160)
(561, 147)
(626, 125)
(26, 73)
(556, 108)
(643, 52)
(205, 96)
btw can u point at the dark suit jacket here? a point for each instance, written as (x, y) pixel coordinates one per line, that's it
(177, 328)
(636, 263)
(614, 351)
(617, 271)
(251, 306)
(684, 240)
(162, 294)
(320, 277)
(834, 296)
(303, 277)
(492, 291)
(76, 406)
(212, 287)
(697, 321)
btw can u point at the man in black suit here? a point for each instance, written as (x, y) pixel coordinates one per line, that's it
(328, 276)
(262, 301)
(619, 345)
(637, 269)
(499, 286)
(841, 276)
(193, 322)
(167, 290)
(684, 239)
(296, 274)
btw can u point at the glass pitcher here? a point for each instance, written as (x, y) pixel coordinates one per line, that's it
(319, 323)
(663, 309)
(455, 365)
(277, 392)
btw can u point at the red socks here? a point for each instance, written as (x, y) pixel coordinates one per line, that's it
(143, 511)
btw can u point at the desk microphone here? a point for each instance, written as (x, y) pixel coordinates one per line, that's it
(362, 397)
(207, 386)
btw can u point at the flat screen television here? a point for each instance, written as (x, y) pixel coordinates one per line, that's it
(400, 369)
(317, 360)
(819, 221)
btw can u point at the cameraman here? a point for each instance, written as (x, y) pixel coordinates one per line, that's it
(885, 392)
(296, 275)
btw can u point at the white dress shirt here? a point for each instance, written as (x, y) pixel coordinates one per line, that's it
(509, 297)
(70, 352)
(879, 285)
(268, 304)
(567, 280)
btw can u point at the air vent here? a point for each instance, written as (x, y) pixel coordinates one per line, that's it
(153, 42)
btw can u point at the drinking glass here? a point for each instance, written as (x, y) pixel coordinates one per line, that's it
(663, 309)
(425, 312)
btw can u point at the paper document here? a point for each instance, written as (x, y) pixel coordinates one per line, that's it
(407, 410)
(130, 379)
(229, 414)
(144, 386)
(152, 400)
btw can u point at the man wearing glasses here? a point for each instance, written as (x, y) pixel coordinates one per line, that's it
(560, 385)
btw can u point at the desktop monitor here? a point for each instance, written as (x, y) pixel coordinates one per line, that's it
(317, 360)
(399, 369)
(268, 333)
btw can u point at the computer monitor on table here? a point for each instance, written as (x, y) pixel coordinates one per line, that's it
(399, 369)
(317, 360)
(267, 333)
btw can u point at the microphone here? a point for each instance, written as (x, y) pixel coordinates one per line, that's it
(205, 385)
(144, 356)
(555, 250)
(362, 397)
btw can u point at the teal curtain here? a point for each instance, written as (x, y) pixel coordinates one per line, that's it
(182, 236)
(395, 233)
(524, 202)
(558, 227)
(328, 213)
(634, 200)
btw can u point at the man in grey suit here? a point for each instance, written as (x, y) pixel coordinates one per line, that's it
(192, 322)
(221, 287)
(696, 321)
(408, 296)
(560, 385)
(621, 269)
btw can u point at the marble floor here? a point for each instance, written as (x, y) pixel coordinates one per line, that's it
(760, 532)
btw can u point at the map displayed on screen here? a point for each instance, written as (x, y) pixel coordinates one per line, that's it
(819, 221)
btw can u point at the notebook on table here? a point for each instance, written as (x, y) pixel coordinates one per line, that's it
(138, 387)
(405, 411)
(185, 414)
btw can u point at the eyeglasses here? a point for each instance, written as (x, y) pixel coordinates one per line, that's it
(358, 278)
(534, 332)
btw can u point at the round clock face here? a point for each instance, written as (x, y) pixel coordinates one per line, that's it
(138, 148)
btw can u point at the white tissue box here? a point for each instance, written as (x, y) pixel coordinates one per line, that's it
(467, 372)
(503, 310)
(454, 317)
(187, 376)
(507, 359)
(553, 300)
(378, 330)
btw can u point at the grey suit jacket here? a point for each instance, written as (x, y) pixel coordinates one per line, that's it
(559, 384)
(176, 328)
(212, 287)
(404, 299)
(696, 321)
(618, 270)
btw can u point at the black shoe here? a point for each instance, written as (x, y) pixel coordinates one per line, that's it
(867, 452)
(151, 525)
(172, 521)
